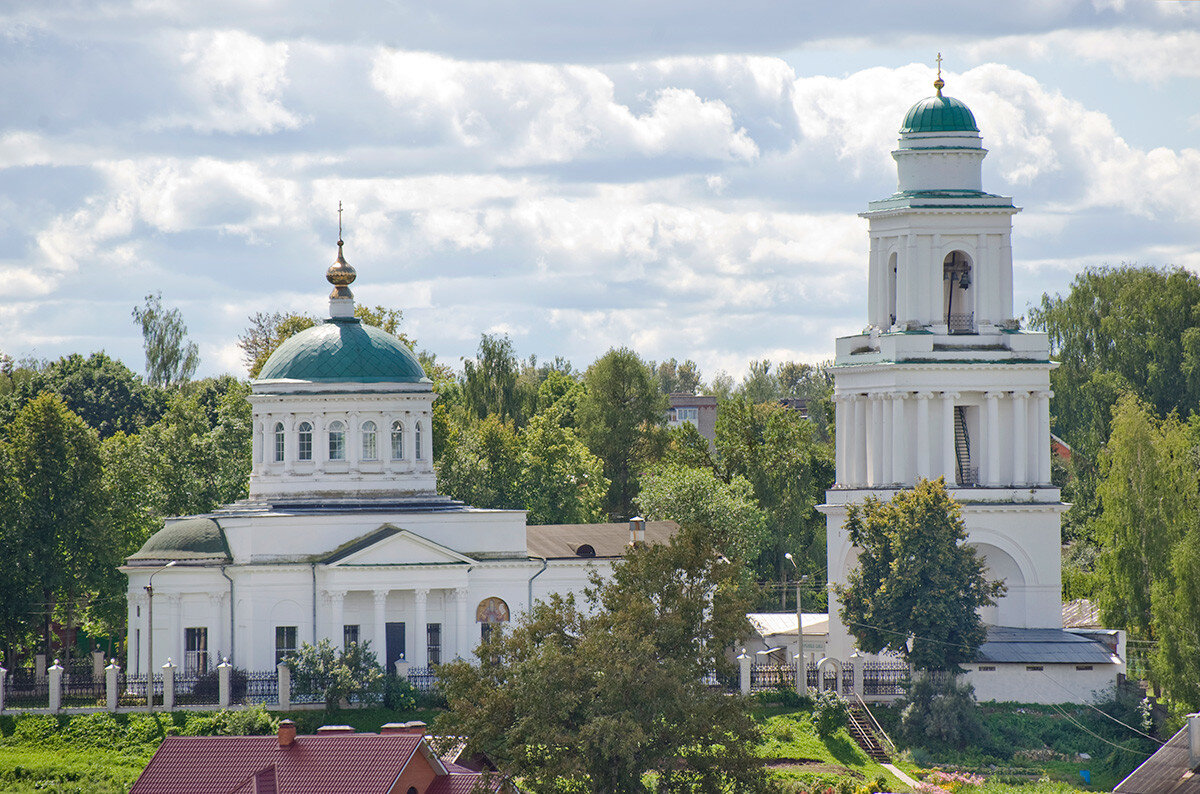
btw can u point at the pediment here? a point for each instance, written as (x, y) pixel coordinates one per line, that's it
(391, 545)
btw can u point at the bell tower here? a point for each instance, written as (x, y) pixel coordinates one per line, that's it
(943, 381)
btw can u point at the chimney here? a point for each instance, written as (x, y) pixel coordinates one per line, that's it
(637, 531)
(334, 730)
(414, 728)
(287, 733)
(1193, 723)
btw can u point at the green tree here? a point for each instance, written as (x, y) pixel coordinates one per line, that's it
(56, 531)
(779, 452)
(1149, 498)
(561, 481)
(559, 395)
(676, 378)
(170, 358)
(619, 412)
(481, 465)
(760, 384)
(349, 673)
(490, 380)
(1176, 610)
(663, 620)
(697, 497)
(917, 580)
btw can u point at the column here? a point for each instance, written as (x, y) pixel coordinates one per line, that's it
(420, 631)
(899, 440)
(320, 444)
(923, 469)
(380, 625)
(927, 277)
(337, 622)
(353, 441)
(257, 445)
(886, 431)
(909, 286)
(462, 602)
(1005, 271)
(875, 442)
(875, 286)
(860, 440)
(993, 438)
(949, 453)
(131, 636)
(217, 644)
(986, 301)
(839, 438)
(1020, 438)
(1043, 437)
(174, 626)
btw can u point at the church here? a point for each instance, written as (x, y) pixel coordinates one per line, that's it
(943, 382)
(343, 535)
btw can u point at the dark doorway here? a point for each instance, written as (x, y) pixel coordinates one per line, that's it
(395, 645)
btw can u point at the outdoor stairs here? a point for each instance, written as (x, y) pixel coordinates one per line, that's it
(962, 446)
(860, 729)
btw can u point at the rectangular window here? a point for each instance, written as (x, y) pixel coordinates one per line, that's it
(285, 642)
(485, 630)
(195, 658)
(349, 635)
(689, 415)
(1082, 667)
(137, 650)
(433, 634)
(1033, 668)
(987, 668)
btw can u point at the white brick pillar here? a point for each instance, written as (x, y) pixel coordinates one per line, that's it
(462, 602)
(3, 677)
(54, 679)
(224, 683)
(112, 675)
(168, 674)
(744, 660)
(283, 675)
(421, 599)
(993, 438)
(1020, 438)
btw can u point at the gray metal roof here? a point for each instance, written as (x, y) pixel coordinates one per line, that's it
(1006, 644)
(1168, 771)
(564, 541)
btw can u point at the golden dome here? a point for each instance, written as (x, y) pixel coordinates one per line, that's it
(341, 276)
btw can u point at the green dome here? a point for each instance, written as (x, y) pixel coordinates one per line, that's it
(344, 350)
(939, 114)
(190, 539)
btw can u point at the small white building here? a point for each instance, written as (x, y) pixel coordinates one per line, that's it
(943, 382)
(343, 535)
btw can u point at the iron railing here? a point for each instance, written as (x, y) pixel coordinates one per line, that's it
(961, 323)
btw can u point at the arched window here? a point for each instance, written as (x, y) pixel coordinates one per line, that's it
(490, 612)
(891, 274)
(370, 449)
(420, 450)
(337, 441)
(279, 441)
(304, 437)
(397, 441)
(958, 301)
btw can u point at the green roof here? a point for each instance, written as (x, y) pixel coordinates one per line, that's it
(190, 539)
(939, 114)
(344, 350)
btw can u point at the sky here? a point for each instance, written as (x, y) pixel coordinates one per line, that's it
(681, 178)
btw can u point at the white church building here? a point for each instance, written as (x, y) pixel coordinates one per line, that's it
(944, 382)
(344, 536)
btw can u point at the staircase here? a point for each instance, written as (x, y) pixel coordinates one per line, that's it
(860, 729)
(962, 447)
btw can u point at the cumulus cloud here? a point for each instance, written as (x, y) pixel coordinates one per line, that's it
(1146, 55)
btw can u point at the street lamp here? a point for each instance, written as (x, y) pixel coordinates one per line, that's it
(801, 665)
(150, 634)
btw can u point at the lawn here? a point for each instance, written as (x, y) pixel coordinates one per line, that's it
(800, 760)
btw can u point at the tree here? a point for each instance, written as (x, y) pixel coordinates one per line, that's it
(663, 620)
(170, 358)
(674, 377)
(760, 384)
(561, 481)
(481, 465)
(620, 409)
(490, 381)
(349, 673)
(55, 531)
(916, 580)
(779, 452)
(1149, 498)
(697, 497)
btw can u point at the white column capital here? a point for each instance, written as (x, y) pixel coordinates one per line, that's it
(216, 599)
(421, 594)
(950, 395)
(1020, 395)
(461, 594)
(380, 597)
(335, 595)
(993, 395)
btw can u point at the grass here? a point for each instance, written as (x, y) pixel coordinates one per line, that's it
(801, 760)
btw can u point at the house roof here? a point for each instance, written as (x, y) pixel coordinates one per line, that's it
(196, 538)
(1006, 644)
(356, 763)
(771, 624)
(568, 541)
(1169, 771)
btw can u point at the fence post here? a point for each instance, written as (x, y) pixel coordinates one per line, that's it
(55, 682)
(860, 674)
(111, 674)
(402, 668)
(744, 672)
(3, 677)
(168, 685)
(39, 666)
(801, 674)
(224, 670)
(97, 664)
(285, 685)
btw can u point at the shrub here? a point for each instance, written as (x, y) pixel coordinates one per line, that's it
(399, 694)
(336, 673)
(830, 713)
(941, 715)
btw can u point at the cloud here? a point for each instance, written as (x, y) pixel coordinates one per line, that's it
(235, 80)
(1151, 56)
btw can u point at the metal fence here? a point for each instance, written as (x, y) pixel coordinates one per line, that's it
(423, 679)
(25, 689)
(262, 687)
(884, 678)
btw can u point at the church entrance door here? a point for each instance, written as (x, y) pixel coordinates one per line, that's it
(395, 645)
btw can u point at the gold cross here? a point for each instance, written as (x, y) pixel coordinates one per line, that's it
(939, 65)
(340, 219)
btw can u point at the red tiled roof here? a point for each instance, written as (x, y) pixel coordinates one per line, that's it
(347, 764)
(460, 781)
